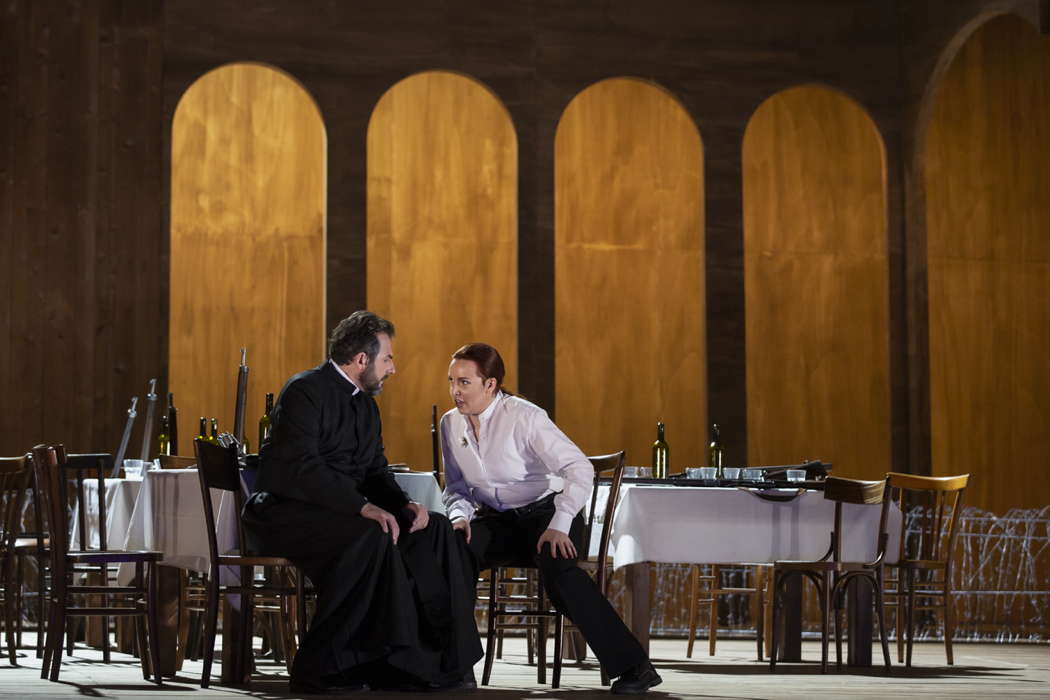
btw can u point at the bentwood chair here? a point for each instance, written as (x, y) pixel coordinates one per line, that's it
(14, 481)
(529, 610)
(138, 600)
(217, 468)
(831, 575)
(923, 581)
(707, 583)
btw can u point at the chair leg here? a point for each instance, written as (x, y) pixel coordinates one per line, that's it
(824, 593)
(776, 603)
(880, 612)
(559, 632)
(837, 600)
(10, 596)
(712, 622)
(949, 623)
(898, 619)
(541, 637)
(55, 632)
(760, 612)
(694, 594)
(211, 622)
(490, 641)
(153, 620)
(300, 602)
(909, 615)
(41, 595)
(72, 627)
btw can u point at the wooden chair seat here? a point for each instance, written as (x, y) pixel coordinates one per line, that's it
(113, 556)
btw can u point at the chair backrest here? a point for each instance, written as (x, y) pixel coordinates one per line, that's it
(931, 507)
(857, 492)
(217, 468)
(14, 480)
(604, 463)
(52, 502)
(95, 466)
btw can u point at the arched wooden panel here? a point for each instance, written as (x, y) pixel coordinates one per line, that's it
(816, 284)
(988, 245)
(629, 273)
(247, 241)
(442, 241)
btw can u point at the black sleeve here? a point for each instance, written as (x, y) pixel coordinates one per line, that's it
(379, 484)
(294, 467)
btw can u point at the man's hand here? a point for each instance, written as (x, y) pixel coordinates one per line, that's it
(559, 542)
(464, 525)
(386, 521)
(417, 515)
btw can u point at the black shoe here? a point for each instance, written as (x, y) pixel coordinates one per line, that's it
(469, 681)
(636, 681)
(335, 688)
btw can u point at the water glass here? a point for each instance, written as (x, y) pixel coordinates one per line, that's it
(133, 468)
(731, 473)
(638, 472)
(708, 472)
(796, 474)
(753, 475)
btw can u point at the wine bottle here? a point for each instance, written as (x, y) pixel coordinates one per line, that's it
(714, 451)
(264, 422)
(661, 454)
(214, 438)
(164, 438)
(202, 434)
(173, 425)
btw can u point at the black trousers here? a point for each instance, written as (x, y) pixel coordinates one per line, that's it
(384, 612)
(509, 539)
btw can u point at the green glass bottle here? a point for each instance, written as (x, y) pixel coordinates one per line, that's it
(173, 425)
(264, 422)
(164, 438)
(714, 451)
(214, 437)
(661, 454)
(202, 433)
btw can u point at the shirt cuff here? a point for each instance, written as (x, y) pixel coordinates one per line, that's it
(461, 510)
(561, 522)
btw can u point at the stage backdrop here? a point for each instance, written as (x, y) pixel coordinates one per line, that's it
(816, 284)
(442, 241)
(247, 242)
(988, 222)
(629, 273)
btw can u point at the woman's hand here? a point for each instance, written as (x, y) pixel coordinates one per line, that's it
(559, 542)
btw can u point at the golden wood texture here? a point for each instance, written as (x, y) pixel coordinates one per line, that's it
(442, 241)
(816, 284)
(988, 223)
(247, 241)
(630, 346)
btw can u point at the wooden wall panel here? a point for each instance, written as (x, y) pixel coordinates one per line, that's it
(988, 223)
(816, 271)
(247, 241)
(442, 241)
(81, 319)
(629, 273)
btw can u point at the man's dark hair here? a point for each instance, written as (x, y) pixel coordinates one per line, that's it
(357, 333)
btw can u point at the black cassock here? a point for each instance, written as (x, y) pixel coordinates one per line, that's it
(382, 610)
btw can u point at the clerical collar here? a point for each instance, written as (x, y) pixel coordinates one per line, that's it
(346, 377)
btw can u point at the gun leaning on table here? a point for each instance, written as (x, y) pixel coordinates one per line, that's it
(119, 461)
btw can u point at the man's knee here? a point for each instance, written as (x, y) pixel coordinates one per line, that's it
(551, 566)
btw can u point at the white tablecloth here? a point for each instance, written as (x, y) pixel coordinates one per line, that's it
(121, 495)
(679, 524)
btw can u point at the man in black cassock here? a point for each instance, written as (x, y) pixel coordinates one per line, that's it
(393, 606)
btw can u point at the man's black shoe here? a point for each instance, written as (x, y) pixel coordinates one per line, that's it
(336, 688)
(636, 681)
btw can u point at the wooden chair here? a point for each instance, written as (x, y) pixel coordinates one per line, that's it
(931, 507)
(217, 468)
(49, 465)
(831, 575)
(14, 481)
(706, 588)
(529, 610)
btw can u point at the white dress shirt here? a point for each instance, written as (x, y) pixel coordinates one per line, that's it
(519, 457)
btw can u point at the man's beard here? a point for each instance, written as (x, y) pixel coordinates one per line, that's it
(371, 382)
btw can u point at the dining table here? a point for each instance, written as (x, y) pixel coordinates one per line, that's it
(656, 523)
